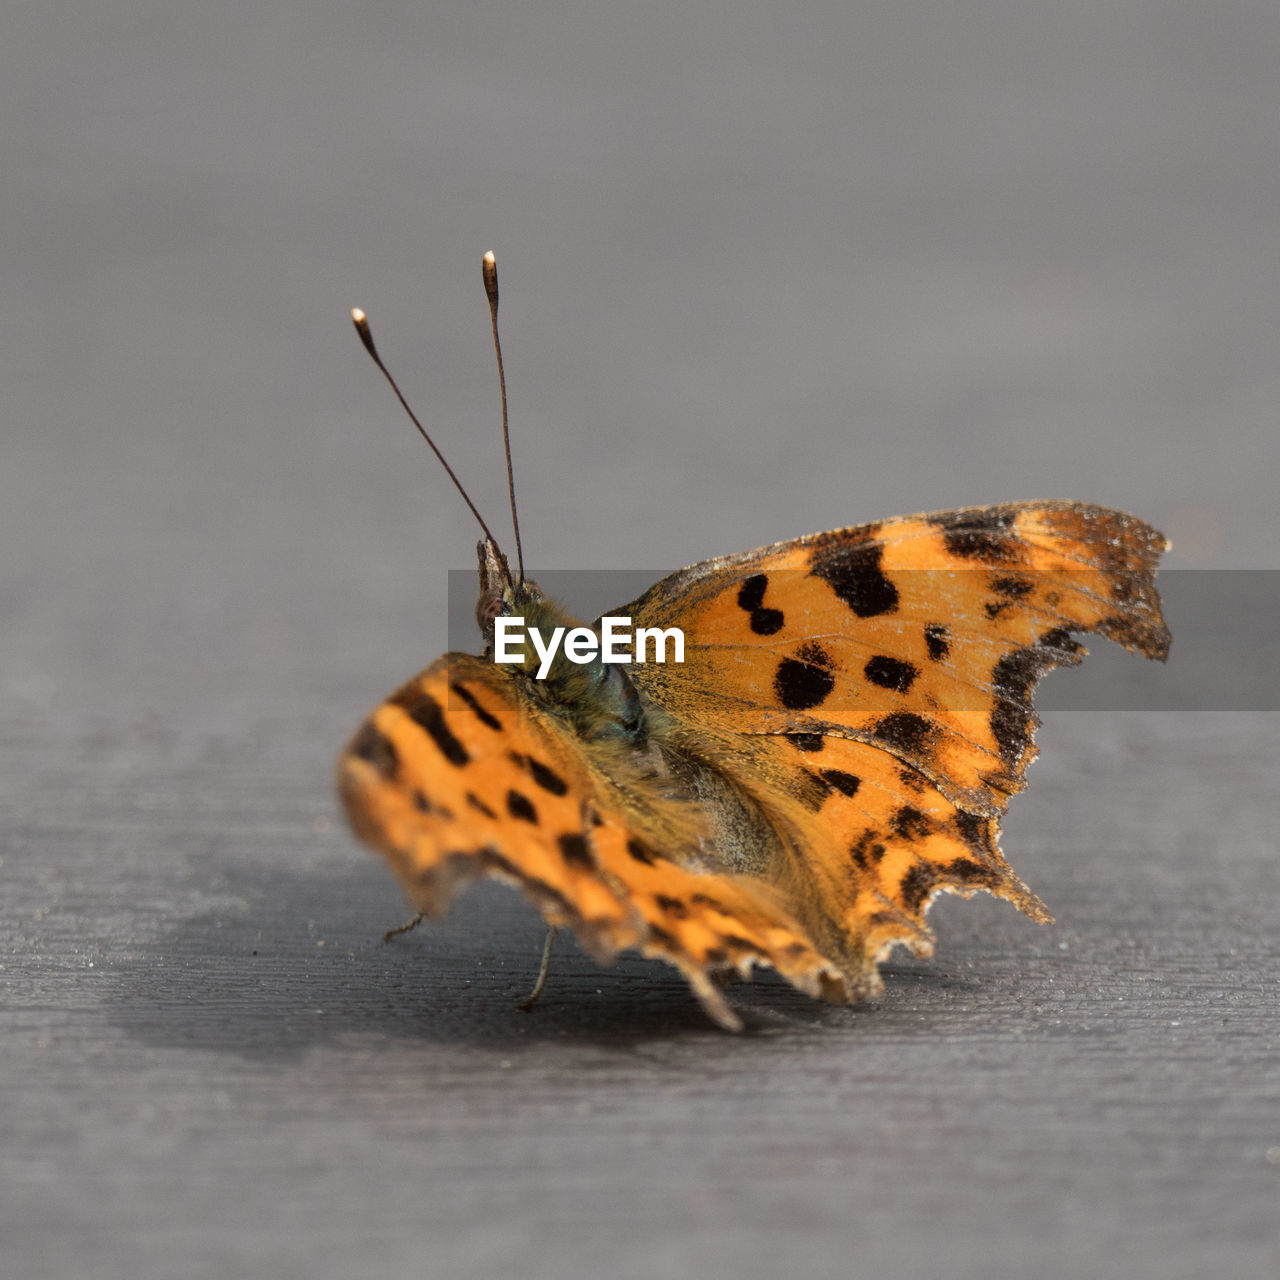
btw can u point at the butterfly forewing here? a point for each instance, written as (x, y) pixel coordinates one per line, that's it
(923, 635)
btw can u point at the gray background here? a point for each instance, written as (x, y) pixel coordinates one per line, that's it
(766, 269)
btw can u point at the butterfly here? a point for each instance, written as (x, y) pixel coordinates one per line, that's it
(851, 717)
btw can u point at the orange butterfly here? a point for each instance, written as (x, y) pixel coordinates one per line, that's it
(852, 714)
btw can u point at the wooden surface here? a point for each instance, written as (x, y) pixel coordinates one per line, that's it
(758, 280)
(212, 1066)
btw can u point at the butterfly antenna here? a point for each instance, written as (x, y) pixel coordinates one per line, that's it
(491, 288)
(361, 322)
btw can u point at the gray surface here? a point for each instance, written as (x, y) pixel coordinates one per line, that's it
(766, 270)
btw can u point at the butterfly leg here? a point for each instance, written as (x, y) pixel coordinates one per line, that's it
(403, 928)
(532, 998)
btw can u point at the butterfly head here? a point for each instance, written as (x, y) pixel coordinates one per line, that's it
(501, 594)
(596, 698)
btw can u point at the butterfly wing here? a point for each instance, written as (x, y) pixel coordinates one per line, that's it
(461, 774)
(869, 691)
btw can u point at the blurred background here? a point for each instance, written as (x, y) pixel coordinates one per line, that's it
(766, 269)
(764, 272)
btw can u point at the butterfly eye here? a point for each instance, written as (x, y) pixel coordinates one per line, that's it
(488, 607)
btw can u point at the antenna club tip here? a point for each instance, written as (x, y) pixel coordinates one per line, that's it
(491, 279)
(361, 322)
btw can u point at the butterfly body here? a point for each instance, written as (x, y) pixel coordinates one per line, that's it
(852, 714)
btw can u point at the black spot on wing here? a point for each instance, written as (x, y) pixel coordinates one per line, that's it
(767, 622)
(904, 731)
(672, 906)
(420, 801)
(973, 829)
(916, 884)
(909, 823)
(890, 673)
(426, 712)
(838, 780)
(1137, 633)
(805, 741)
(764, 622)
(966, 871)
(543, 774)
(576, 851)
(912, 779)
(374, 747)
(479, 805)
(1062, 640)
(801, 685)
(979, 535)
(937, 640)
(1013, 679)
(520, 806)
(1014, 588)
(812, 651)
(641, 852)
(811, 791)
(547, 778)
(488, 720)
(856, 574)
(751, 593)
(866, 851)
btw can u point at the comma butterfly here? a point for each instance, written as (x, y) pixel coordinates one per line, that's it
(852, 715)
